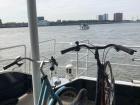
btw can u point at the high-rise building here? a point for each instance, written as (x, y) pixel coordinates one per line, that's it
(118, 17)
(103, 17)
(100, 17)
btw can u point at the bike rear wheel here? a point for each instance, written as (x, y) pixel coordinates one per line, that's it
(109, 85)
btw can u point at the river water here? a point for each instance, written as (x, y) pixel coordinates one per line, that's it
(124, 34)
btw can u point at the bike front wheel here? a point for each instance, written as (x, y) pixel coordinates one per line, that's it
(65, 94)
(109, 85)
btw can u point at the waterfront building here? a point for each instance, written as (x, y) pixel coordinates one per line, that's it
(103, 17)
(118, 17)
(58, 21)
(0, 22)
(41, 21)
(138, 20)
(40, 18)
(100, 17)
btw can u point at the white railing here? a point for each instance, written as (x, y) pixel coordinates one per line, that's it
(85, 56)
(8, 54)
(83, 62)
(124, 70)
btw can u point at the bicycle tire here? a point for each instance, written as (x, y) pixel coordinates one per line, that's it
(67, 91)
(109, 85)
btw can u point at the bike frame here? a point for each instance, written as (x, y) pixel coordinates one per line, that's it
(100, 81)
(101, 73)
(47, 91)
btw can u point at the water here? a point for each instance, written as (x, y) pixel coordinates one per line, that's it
(125, 34)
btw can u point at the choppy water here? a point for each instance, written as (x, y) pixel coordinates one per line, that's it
(125, 33)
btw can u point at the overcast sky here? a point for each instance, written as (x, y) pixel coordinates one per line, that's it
(16, 10)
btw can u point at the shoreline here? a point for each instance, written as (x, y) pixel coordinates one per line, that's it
(65, 23)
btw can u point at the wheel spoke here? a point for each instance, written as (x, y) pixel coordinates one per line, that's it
(109, 85)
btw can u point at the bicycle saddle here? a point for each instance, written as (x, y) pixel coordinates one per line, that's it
(81, 98)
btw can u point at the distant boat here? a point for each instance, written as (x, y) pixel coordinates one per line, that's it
(84, 26)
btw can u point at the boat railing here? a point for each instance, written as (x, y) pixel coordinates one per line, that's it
(50, 48)
(123, 69)
(83, 62)
(47, 49)
(53, 42)
(8, 54)
(71, 56)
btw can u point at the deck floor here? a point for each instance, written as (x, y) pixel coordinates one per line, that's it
(28, 100)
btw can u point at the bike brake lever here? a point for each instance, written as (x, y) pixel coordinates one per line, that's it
(77, 46)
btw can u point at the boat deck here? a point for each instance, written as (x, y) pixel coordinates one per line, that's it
(28, 100)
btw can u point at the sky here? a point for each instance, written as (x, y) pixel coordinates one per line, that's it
(52, 10)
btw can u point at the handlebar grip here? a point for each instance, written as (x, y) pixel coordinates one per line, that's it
(8, 66)
(67, 50)
(125, 49)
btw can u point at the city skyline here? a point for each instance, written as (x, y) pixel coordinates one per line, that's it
(53, 10)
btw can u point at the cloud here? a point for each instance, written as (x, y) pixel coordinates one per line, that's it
(16, 10)
(13, 10)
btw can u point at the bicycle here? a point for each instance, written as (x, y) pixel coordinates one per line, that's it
(105, 90)
(47, 94)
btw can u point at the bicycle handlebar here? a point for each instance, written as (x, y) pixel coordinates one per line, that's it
(13, 63)
(17, 60)
(125, 49)
(10, 65)
(117, 47)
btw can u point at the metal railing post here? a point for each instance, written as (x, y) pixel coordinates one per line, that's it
(32, 18)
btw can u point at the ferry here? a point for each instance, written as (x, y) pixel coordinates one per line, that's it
(84, 26)
(126, 93)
